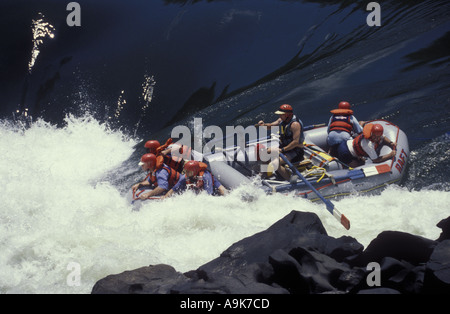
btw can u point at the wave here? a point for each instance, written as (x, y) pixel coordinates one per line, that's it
(64, 201)
(72, 125)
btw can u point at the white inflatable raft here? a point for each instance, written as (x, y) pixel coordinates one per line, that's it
(234, 166)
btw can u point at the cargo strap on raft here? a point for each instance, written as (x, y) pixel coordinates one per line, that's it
(319, 171)
(309, 170)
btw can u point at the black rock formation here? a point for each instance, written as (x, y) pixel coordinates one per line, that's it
(296, 256)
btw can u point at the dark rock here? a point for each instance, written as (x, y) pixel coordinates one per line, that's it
(248, 280)
(401, 275)
(348, 281)
(152, 279)
(287, 273)
(322, 270)
(297, 229)
(284, 234)
(302, 257)
(295, 255)
(437, 273)
(399, 245)
(379, 291)
(444, 224)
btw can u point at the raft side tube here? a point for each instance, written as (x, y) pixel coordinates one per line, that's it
(229, 177)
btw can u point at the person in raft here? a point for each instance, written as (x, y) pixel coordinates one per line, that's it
(341, 127)
(291, 137)
(367, 144)
(160, 177)
(197, 178)
(174, 162)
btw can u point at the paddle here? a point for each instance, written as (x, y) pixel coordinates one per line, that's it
(330, 207)
(306, 128)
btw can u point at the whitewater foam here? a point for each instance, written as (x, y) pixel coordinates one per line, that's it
(57, 209)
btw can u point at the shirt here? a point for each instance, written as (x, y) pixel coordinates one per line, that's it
(208, 184)
(162, 178)
(366, 145)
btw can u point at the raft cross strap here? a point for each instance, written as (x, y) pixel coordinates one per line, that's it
(330, 207)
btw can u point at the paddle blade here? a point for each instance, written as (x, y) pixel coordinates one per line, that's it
(341, 218)
(345, 222)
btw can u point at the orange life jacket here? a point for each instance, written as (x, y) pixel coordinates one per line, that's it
(357, 147)
(152, 179)
(173, 174)
(341, 120)
(175, 162)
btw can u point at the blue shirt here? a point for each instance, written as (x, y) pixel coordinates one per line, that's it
(208, 184)
(162, 178)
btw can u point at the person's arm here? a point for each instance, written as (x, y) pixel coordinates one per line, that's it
(156, 191)
(357, 126)
(138, 185)
(180, 185)
(392, 145)
(168, 194)
(162, 178)
(329, 123)
(384, 157)
(389, 143)
(221, 189)
(274, 123)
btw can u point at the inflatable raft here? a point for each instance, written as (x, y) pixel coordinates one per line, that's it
(234, 166)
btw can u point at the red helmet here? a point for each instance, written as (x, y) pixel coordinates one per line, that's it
(377, 130)
(344, 105)
(284, 109)
(149, 159)
(152, 145)
(192, 165)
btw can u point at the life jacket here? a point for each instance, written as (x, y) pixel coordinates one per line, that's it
(197, 182)
(152, 179)
(286, 134)
(341, 120)
(357, 147)
(174, 162)
(174, 175)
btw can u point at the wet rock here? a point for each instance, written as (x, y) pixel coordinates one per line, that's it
(295, 255)
(398, 245)
(153, 279)
(379, 291)
(437, 273)
(444, 224)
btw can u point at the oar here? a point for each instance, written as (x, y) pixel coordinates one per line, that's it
(306, 128)
(330, 207)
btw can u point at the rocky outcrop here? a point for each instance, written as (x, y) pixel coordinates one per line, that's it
(296, 256)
